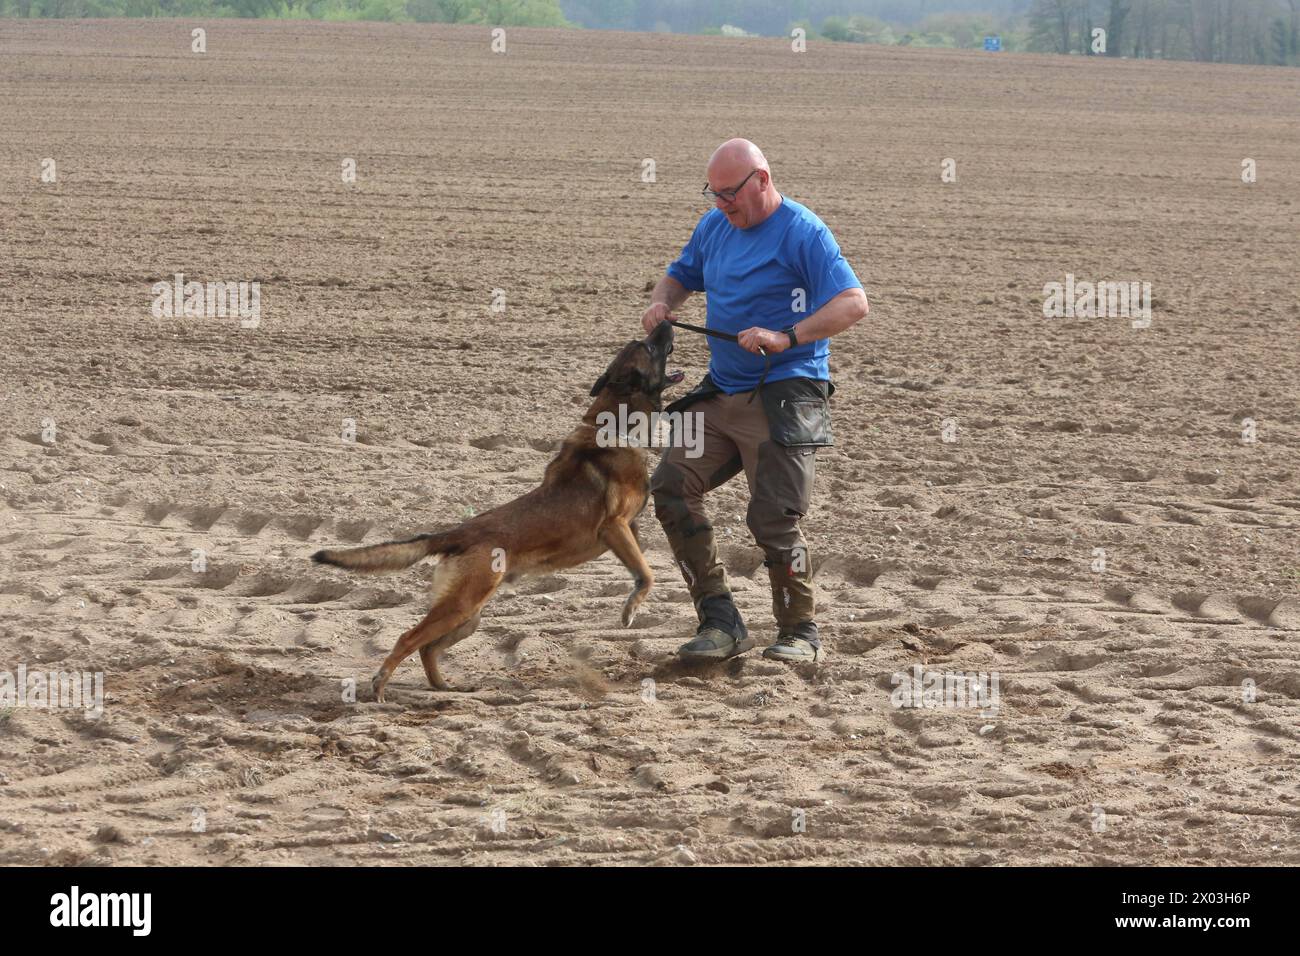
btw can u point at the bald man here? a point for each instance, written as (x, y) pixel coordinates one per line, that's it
(774, 276)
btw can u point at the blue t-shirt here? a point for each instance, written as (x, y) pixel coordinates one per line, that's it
(762, 276)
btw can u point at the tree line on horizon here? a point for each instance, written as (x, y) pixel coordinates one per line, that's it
(1217, 31)
(1221, 31)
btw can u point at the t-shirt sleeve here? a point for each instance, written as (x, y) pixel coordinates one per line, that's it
(825, 270)
(688, 269)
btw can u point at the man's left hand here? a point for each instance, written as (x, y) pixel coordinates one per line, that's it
(755, 338)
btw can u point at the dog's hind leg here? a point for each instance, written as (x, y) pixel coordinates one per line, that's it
(620, 538)
(460, 595)
(430, 652)
(443, 619)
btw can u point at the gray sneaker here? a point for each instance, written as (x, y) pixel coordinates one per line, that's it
(721, 633)
(793, 650)
(713, 643)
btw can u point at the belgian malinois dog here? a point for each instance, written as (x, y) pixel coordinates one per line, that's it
(587, 504)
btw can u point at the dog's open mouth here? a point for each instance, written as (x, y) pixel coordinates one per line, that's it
(675, 376)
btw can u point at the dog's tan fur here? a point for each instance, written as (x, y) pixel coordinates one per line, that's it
(586, 505)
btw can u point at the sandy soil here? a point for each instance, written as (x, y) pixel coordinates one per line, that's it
(1125, 732)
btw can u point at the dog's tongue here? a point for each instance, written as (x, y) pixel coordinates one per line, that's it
(676, 376)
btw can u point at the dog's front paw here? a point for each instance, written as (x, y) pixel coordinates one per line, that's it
(629, 611)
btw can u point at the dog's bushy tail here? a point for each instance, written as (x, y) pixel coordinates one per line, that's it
(392, 555)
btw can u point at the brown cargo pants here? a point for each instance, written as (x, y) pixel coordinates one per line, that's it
(736, 436)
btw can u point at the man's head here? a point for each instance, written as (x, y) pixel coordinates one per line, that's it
(739, 171)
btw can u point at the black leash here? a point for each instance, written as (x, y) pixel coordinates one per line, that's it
(767, 359)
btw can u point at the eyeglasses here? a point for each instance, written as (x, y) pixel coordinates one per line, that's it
(726, 195)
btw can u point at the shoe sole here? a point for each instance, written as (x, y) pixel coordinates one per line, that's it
(719, 654)
(784, 659)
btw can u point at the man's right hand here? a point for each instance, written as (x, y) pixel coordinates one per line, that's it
(657, 313)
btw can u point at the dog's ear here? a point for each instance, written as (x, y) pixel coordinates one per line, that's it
(600, 385)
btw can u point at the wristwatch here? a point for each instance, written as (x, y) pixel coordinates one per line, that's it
(789, 332)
